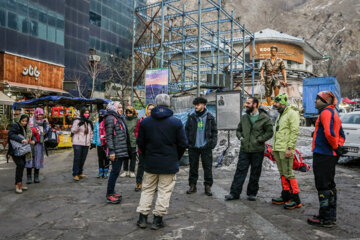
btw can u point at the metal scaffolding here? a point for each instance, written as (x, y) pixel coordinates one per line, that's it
(203, 58)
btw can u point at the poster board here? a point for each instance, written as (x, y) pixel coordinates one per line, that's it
(228, 110)
(156, 82)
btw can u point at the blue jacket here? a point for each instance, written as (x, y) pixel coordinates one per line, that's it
(162, 141)
(96, 138)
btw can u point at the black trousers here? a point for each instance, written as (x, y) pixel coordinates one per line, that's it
(246, 160)
(324, 173)
(103, 160)
(80, 154)
(206, 160)
(140, 170)
(132, 160)
(20, 165)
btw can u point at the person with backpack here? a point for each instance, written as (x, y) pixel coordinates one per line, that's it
(201, 132)
(140, 169)
(163, 142)
(328, 139)
(18, 132)
(118, 146)
(82, 131)
(131, 117)
(254, 129)
(286, 132)
(102, 158)
(39, 127)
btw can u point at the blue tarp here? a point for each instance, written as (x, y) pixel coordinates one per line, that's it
(59, 101)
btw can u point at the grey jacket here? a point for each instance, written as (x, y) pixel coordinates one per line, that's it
(117, 136)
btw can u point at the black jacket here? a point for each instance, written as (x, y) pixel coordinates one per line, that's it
(117, 136)
(162, 140)
(14, 132)
(210, 131)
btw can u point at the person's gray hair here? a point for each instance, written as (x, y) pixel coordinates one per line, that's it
(162, 100)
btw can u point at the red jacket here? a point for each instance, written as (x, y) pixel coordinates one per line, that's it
(328, 133)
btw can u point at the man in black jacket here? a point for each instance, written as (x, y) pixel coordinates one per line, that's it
(162, 141)
(201, 133)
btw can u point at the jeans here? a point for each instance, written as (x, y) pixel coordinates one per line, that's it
(206, 159)
(114, 174)
(20, 165)
(140, 170)
(254, 160)
(80, 154)
(132, 160)
(102, 158)
(324, 173)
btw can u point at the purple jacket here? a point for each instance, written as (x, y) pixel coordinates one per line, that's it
(79, 137)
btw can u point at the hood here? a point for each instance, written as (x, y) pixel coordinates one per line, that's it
(161, 112)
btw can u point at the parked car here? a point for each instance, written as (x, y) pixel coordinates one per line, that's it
(351, 126)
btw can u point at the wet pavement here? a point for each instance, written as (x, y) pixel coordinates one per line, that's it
(59, 208)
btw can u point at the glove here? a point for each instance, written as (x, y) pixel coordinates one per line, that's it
(341, 151)
(92, 146)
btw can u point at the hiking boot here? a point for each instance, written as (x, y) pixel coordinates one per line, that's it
(208, 190)
(132, 175)
(157, 223)
(192, 189)
(278, 201)
(106, 173)
(230, 197)
(138, 187)
(125, 174)
(142, 222)
(251, 198)
(316, 221)
(101, 173)
(18, 188)
(112, 199)
(285, 197)
(81, 176)
(294, 202)
(36, 176)
(76, 178)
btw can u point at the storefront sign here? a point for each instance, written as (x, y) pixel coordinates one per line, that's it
(32, 72)
(285, 51)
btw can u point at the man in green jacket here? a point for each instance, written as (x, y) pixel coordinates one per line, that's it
(286, 132)
(254, 129)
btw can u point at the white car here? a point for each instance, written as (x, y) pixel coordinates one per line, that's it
(351, 125)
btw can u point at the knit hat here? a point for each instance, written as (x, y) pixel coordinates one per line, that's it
(282, 99)
(328, 97)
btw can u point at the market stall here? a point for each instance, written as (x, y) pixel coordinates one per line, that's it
(60, 111)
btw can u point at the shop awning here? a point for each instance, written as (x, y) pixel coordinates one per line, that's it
(348, 101)
(5, 100)
(28, 86)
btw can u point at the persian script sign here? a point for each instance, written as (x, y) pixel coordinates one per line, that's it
(31, 71)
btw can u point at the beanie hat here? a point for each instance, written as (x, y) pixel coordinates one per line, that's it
(282, 99)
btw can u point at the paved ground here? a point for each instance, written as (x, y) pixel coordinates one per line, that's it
(59, 208)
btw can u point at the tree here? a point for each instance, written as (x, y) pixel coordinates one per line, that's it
(94, 67)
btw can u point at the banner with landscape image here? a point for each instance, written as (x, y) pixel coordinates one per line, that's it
(156, 82)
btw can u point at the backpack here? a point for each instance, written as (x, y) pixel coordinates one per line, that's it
(102, 132)
(51, 139)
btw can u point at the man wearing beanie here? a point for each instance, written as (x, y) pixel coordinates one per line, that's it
(286, 132)
(162, 140)
(328, 140)
(201, 132)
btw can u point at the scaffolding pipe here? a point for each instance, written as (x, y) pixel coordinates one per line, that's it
(232, 51)
(199, 49)
(183, 71)
(253, 67)
(151, 37)
(218, 46)
(243, 75)
(162, 35)
(169, 62)
(133, 55)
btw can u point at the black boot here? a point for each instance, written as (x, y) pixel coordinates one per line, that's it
(36, 176)
(208, 190)
(157, 223)
(29, 178)
(192, 189)
(332, 204)
(142, 222)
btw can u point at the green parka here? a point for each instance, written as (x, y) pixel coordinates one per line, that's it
(253, 137)
(286, 129)
(131, 124)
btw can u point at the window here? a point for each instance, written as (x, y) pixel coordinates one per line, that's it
(51, 36)
(42, 31)
(25, 25)
(60, 37)
(2, 17)
(95, 19)
(34, 28)
(12, 21)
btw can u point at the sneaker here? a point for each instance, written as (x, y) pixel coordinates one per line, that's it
(18, 188)
(132, 175)
(124, 174)
(81, 176)
(291, 205)
(76, 178)
(138, 187)
(117, 195)
(106, 173)
(316, 221)
(230, 197)
(112, 199)
(101, 173)
(24, 188)
(251, 198)
(318, 217)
